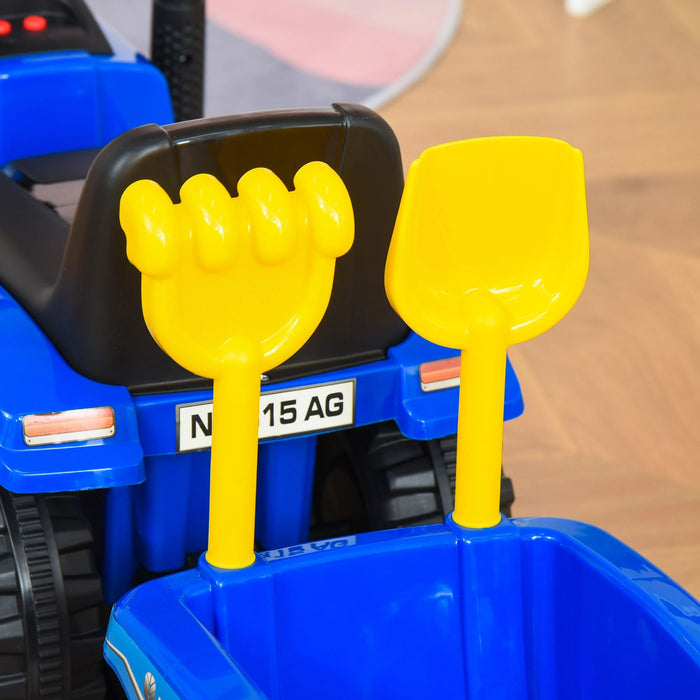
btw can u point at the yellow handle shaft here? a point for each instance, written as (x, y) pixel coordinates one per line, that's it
(234, 458)
(480, 426)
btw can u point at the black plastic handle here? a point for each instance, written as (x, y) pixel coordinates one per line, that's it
(177, 49)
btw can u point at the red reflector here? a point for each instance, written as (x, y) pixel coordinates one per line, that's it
(440, 374)
(34, 23)
(68, 426)
(5, 27)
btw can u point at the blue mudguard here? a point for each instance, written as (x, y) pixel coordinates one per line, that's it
(35, 380)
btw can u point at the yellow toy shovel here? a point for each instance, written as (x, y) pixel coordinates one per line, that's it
(232, 287)
(490, 248)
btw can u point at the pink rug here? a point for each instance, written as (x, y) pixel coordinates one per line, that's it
(264, 54)
(360, 42)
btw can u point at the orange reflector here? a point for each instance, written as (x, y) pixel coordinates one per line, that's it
(440, 374)
(68, 426)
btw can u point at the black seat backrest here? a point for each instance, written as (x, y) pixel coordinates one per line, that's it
(92, 312)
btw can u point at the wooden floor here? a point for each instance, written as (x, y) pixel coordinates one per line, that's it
(611, 431)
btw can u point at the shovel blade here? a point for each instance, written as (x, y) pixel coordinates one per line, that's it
(505, 216)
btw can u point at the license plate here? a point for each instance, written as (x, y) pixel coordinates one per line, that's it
(308, 409)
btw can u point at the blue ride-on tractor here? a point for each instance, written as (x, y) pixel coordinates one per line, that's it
(104, 440)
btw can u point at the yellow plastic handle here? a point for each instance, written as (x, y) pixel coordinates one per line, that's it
(490, 248)
(232, 287)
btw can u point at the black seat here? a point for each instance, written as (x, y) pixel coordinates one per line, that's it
(85, 295)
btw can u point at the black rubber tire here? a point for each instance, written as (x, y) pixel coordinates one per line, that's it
(339, 507)
(445, 451)
(375, 478)
(51, 615)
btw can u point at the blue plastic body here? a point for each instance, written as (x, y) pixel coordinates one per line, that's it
(90, 100)
(533, 608)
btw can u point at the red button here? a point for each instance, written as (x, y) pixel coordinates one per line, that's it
(5, 27)
(34, 23)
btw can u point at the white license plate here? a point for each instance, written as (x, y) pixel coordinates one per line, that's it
(308, 409)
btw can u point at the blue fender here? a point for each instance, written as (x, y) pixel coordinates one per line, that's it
(34, 379)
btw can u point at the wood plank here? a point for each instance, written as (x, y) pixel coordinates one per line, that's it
(611, 433)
